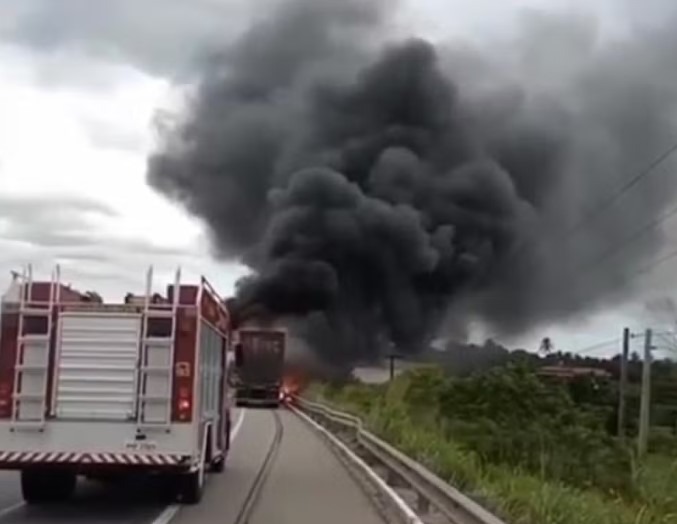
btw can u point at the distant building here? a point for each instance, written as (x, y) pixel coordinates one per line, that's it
(569, 372)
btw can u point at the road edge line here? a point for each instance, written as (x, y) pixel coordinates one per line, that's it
(11, 509)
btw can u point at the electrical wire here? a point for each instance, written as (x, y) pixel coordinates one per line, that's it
(613, 198)
(648, 169)
(595, 347)
(630, 239)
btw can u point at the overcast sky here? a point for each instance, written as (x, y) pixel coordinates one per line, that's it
(80, 81)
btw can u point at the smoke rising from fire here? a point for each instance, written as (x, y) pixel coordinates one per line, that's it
(382, 188)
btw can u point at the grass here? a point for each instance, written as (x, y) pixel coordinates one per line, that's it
(517, 495)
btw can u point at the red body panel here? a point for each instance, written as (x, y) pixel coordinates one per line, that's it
(184, 364)
(9, 326)
(9, 331)
(203, 308)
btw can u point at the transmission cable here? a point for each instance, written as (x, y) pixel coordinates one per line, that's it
(648, 169)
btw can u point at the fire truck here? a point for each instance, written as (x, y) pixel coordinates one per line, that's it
(106, 389)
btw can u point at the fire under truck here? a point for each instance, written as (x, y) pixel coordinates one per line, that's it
(97, 389)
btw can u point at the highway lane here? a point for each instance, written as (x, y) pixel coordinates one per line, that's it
(307, 485)
(132, 503)
(135, 502)
(10, 492)
(226, 492)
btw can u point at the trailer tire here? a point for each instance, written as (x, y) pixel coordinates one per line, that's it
(40, 486)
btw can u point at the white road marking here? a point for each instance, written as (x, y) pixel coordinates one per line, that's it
(170, 511)
(237, 426)
(167, 514)
(11, 509)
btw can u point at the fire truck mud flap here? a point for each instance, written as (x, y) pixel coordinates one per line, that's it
(189, 486)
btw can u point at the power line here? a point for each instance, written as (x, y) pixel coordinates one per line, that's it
(648, 169)
(614, 197)
(627, 186)
(648, 268)
(592, 348)
(595, 347)
(630, 239)
(671, 346)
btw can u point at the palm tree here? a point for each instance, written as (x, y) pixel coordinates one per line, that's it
(546, 346)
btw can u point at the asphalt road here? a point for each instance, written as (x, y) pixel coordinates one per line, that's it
(307, 485)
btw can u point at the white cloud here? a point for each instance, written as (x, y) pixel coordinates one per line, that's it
(72, 184)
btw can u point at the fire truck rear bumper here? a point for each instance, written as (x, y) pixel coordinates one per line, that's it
(93, 461)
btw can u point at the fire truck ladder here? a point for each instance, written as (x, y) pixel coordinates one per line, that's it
(157, 359)
(31, 370)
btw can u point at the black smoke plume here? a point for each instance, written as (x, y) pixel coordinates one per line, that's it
(382, 189)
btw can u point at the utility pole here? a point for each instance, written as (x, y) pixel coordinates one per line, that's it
(392, 356)
(643, 439)
(623, 383)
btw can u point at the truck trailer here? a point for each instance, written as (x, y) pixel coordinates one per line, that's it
(112, 389)
(259, 362)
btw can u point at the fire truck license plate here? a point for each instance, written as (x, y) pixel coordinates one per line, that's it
(141, 445)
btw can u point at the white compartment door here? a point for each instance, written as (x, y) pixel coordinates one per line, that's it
(97, 366)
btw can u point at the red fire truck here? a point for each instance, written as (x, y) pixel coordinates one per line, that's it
(98, 389)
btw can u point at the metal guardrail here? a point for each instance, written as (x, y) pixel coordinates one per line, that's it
(431, 491)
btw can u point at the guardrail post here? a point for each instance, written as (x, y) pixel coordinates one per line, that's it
(393, 479)
(422, 504)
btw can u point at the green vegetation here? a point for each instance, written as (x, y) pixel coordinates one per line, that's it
(532, 451)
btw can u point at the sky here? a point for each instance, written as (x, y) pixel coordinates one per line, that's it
(80, 84)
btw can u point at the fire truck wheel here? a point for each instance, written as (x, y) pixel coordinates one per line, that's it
(218, 465)
(39, 486)
(192, 486)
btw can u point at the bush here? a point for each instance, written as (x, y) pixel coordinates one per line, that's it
(518, 445)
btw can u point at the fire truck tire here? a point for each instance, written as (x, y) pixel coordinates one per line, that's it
(39, 486)
(218, 465)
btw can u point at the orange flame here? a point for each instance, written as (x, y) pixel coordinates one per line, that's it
(294, 383)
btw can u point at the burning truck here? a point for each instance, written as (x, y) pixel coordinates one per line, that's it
(259, 364)
(272, 364)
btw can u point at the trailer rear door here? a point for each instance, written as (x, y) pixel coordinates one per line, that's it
(263, 355)
(96, 368)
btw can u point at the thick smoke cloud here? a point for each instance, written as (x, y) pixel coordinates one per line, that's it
(375, 185)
